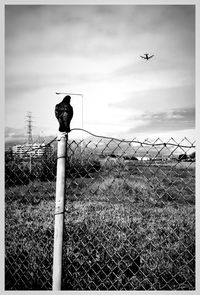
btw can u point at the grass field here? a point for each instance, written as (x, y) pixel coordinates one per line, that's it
(125, 229)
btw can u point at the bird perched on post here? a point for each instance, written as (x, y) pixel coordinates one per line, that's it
(64, 114)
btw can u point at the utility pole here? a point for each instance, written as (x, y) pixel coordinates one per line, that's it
(29, 128)
(29, 136)
(59, 211)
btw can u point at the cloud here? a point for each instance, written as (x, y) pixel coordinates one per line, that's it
(94, 30)
(157, 99)
(67, 29)
(14, 134)
(19, 135)
(94, 50)
(175, 119)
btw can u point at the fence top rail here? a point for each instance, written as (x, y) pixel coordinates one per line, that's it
(145, 142)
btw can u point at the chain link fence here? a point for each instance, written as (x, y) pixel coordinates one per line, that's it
(129, 216)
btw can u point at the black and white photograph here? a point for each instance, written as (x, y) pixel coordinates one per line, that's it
(100, 147)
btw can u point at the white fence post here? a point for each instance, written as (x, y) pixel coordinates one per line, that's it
(59, 212)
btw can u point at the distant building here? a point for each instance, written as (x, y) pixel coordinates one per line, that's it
(143, 158)
(35, 150)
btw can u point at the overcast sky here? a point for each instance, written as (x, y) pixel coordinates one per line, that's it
(95, 50)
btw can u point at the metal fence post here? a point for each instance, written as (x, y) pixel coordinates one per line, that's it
(59, 212)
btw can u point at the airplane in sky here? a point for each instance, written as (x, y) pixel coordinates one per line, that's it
(146, 56)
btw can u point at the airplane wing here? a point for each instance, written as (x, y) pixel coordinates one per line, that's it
(142, 57)
(151, 56)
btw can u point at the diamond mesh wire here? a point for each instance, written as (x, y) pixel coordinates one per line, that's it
(129, 217)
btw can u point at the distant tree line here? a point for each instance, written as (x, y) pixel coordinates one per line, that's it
(186, 157)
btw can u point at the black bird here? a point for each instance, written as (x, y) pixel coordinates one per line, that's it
(146, 56)
(64, 114)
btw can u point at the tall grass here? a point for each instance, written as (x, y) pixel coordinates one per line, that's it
(125, 229)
